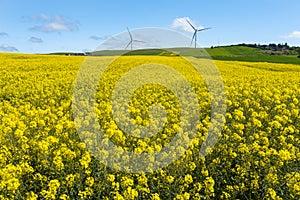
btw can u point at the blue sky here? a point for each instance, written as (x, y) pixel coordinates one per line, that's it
(36, 26)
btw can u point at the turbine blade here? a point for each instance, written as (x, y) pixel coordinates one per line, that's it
(139, 41)
(203, 29)
(193, 37)
(129, 33)
(128, 44)
(190, 24)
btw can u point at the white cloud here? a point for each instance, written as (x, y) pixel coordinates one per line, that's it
(35, 40)
(8, 48)
(45, 17)
(35, 18)
(294, 34)
(182, 24)
(3, 34)
(49, 24)
(94, 37)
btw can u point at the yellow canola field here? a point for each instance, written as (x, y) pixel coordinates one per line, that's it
(42, 156)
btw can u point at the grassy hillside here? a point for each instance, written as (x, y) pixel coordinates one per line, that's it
(230, 53)
(241, 53)
(238, 53)
(234, 51)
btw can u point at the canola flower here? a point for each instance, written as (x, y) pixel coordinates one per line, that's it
(41, 155)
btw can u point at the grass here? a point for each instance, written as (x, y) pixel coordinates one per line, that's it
(248, 54)
(228, 53)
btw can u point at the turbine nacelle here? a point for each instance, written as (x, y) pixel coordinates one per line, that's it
(196, 30)
(131, 40)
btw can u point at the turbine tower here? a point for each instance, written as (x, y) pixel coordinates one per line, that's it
(131, 40)
(195, 32)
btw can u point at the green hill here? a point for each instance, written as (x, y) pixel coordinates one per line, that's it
(250, 54)
(235, 51)
(230, 53)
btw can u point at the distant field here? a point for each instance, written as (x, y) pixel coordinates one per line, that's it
(240, 53)
(230, 53)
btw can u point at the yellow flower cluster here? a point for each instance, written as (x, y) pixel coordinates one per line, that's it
(42, 156)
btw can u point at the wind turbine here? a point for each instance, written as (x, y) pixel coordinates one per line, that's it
(131, 40)
(195, 32)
